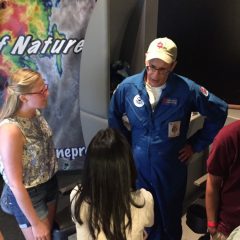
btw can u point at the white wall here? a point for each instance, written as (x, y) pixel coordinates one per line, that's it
(109, 37)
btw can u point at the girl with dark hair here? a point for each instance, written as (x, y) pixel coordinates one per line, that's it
(107, 204)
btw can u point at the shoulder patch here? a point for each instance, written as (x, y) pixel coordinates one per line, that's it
(204, 91)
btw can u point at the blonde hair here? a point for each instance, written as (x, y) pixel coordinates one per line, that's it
(20, 82)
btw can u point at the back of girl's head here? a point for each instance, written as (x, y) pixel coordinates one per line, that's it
(108, 180)
(109, 164)
(20, 82)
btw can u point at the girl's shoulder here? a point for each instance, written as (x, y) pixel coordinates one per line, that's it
(8, 122)
(75, 191)
(145, 193)
(10, 128)
(142, 196)
(235, 234)
(146, 212)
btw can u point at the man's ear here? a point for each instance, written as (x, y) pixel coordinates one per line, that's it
(146, 63)
(173, 65)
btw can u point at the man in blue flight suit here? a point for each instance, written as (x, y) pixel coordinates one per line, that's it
(153, 109)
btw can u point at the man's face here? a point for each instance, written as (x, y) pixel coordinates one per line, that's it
(158, 71)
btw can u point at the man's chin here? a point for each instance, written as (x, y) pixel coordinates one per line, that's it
(155, 84)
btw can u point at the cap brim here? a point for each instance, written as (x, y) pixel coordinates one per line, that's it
(163, 56)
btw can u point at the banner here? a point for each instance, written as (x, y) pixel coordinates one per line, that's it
(48, 36)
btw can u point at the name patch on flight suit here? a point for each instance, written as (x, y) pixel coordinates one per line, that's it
(174, 129)
(169, 101)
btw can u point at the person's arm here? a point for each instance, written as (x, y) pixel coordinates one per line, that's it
(11, 148)
(212, 201)
(185, 153)
(1, 236)
(214, 110)
(117, 111)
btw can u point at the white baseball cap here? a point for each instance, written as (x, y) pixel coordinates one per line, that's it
(162, 48)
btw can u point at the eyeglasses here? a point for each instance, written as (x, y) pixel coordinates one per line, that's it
(42, 92)
(153, 69)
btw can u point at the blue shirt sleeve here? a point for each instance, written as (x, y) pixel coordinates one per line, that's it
(215, 112)
(117, 110)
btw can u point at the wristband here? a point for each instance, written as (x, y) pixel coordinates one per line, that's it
(212, 224)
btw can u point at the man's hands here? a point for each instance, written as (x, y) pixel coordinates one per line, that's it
(185, 153)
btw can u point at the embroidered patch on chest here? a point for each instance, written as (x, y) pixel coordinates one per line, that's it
(138, 102)
(169, 101)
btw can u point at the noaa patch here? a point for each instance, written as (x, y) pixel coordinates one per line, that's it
(138, 102)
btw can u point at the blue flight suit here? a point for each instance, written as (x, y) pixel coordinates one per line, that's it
(158, 136)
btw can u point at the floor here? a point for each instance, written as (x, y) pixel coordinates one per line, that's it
(188, 234)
